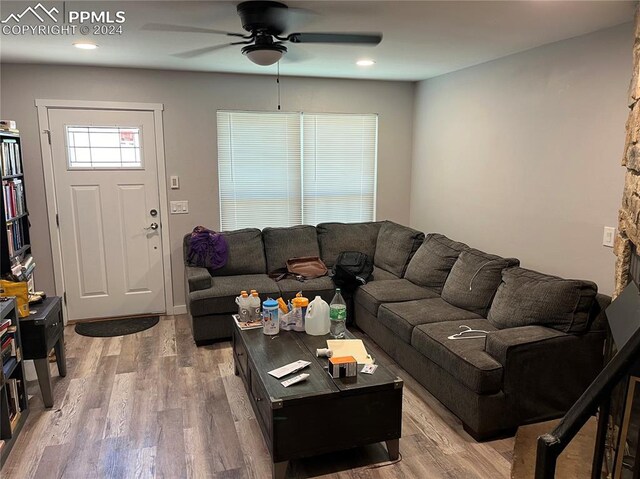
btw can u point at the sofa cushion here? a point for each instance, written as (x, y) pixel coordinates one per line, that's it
(527, 297)
(310, 288)
(465, 359)
(401, 318)
(281, 244)
(334, 238)
(474, 280)
(433, 261)
(221, 296)
(372, 294)
(381, 274)
(395, 246)
(245, 252)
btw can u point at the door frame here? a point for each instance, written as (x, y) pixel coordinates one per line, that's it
(43, 107)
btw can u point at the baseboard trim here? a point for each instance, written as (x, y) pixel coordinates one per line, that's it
(180, 309)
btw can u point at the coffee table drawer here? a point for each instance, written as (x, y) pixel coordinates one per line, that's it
(262, 400)
(240, 354)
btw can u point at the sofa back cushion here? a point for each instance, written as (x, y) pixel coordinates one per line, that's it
(433, 261)
(280, 244)
(396, 246)
(334, 238)
(527, 297)
(474, 280)
(245, 253)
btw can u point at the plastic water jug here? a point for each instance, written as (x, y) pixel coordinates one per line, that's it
(317, 319)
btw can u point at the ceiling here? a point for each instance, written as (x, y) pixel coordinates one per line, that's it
(422, 39)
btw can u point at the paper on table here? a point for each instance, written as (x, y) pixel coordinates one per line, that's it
(350, 347)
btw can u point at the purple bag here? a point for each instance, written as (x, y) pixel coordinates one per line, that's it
(207, 249)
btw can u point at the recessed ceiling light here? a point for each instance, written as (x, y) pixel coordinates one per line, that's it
(365, 63)
(85, 45)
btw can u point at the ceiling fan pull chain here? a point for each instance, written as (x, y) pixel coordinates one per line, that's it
(278, 83)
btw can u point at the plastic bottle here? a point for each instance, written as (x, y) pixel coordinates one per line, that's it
(244, 309)
(300, 302)
(254, 306)
(317, 321)
(270, 320)
(338, 315)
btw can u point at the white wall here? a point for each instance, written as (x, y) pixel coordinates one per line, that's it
(521, 156)
(191, 101)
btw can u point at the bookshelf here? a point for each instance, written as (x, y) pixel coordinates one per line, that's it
(14, 407)
(16, 262)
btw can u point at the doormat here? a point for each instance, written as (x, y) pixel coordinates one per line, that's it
(116, 327)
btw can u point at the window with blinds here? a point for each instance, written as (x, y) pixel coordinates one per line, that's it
(259, 162)
(285, 169)
(339, 167)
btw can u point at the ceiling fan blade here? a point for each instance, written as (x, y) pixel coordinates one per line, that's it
(296, 55)
(354, 38)
(202, 51)
(164, 27)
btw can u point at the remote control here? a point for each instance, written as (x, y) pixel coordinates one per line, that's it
(296, 379)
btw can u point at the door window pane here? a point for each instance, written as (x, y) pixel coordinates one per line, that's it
(106, 147)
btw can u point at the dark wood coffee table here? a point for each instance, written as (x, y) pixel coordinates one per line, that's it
(321, 414)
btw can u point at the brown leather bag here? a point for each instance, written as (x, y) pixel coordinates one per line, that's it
(307, 267)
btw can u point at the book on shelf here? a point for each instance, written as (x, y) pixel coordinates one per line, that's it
(14, 421)
(5, 325)
(6, 351)
(244, 325)
(10, 163)
(13, 196)
(6, 341)
(8, 365)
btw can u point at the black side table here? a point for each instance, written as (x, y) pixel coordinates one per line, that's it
(42, 331)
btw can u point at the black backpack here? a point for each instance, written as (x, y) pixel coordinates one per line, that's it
(352, 269)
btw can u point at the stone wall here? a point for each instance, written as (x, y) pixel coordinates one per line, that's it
(629, 216)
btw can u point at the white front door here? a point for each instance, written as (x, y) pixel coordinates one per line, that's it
(106, 185)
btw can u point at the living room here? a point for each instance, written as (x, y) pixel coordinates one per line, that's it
(498, 124)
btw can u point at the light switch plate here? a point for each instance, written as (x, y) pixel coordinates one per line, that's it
(175, 183)
(179, 207)
(609, 236)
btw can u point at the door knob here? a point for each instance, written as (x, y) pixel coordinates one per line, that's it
(152, 226)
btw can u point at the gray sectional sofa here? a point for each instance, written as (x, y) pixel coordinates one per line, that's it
(544, 338)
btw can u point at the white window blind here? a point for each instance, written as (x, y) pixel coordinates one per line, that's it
(339, 167)
(285, 169)
(259, 169)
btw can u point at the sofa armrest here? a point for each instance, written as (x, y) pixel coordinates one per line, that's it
(545, 371)
(505, 342)
(197, 278)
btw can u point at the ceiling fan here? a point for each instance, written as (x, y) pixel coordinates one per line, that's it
(266, 23)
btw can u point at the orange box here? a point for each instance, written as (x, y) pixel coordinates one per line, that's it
(343, 367)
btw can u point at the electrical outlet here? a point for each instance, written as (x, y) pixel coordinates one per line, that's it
(179, 207)
(609, 236)
(175, 183)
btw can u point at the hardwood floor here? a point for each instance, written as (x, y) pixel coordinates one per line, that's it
(153, 404)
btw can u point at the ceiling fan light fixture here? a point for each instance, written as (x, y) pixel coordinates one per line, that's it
(264, 55)
(365, 63)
